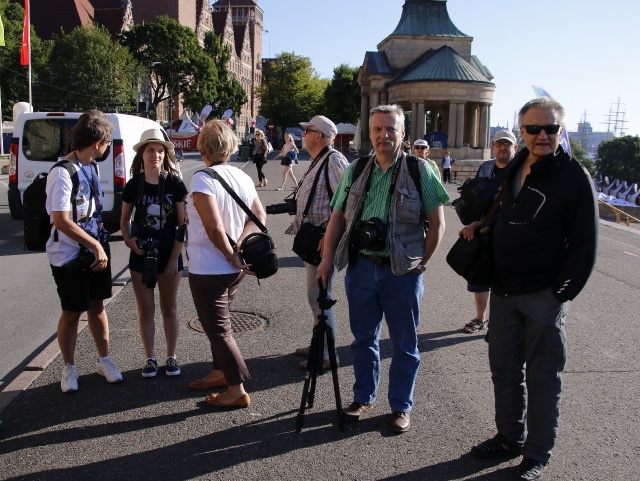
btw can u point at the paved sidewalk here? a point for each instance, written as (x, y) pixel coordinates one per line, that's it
(157, 429)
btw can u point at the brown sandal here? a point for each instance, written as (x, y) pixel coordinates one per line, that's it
(474, 325)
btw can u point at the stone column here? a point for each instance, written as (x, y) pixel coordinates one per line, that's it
(484, 124)
(364, 120)
(414, 121)
(453, 118)
(421, 127)
(384, 97)
(473, 140)
(460, 126)
(375, 98)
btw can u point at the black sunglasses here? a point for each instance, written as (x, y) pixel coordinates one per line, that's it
(550, 129)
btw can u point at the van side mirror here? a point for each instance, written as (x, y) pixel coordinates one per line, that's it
(179, 155)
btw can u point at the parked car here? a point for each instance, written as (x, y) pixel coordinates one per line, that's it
(41, 138)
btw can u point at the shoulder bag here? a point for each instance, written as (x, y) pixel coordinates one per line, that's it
(305, 242)
(473, 259)
(257, 249)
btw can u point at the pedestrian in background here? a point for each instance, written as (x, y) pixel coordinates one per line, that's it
(327, 164)
(447, 163)
(215, 268)
(421, 150)
(260, 157)
(81, 287)
(377, 227)
(289, 154)
(504, 148)
(545, 241)
(157, 193)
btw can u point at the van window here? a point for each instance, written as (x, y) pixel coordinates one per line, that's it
(48, 139)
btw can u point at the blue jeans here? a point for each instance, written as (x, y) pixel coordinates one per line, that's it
(373, 290)
(527, 354)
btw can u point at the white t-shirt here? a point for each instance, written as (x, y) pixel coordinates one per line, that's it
(58, 190)
(204, 257)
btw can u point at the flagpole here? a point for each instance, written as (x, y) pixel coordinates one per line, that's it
(29, 46)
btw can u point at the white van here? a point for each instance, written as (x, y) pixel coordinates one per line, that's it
(41, 138)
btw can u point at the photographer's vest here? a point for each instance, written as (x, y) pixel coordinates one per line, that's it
(406, 229)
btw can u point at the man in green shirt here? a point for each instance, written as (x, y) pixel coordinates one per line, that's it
(377, 227)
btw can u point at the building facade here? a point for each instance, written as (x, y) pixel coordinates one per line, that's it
(426, 66)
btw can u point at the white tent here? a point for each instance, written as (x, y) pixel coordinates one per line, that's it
(346, 129)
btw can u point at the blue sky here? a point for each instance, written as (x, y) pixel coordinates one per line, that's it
(583, 52)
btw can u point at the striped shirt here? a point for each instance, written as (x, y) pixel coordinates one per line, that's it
(378, 202)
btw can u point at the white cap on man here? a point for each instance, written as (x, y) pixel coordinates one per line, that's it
(324, 125)
(421, 143)
(504, 135)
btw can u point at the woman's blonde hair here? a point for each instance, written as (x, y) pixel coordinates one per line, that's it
(217, 141)
(290, 137)
(259, 132)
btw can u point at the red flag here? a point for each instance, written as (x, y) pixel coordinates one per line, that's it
(24, 51)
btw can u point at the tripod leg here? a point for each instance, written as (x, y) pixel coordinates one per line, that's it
(333, 361)
(303, 402)
(309, 389)
(313, 365)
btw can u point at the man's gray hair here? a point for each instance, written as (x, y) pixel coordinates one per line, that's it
(543, 103)
(387, 109)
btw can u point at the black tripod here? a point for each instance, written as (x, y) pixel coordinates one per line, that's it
(321, 331)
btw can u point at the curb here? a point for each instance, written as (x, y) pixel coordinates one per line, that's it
(38, 364)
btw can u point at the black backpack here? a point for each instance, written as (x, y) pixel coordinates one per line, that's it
(37, 223)
(476, 196)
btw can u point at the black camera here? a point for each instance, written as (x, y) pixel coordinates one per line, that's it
(82, 261)
(289, 206)
(150, 270)
(370, 234)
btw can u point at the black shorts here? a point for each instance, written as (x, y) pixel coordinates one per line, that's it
(136, 262)
(76, 289)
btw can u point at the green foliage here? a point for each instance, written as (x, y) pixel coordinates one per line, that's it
(578, 153)
(342, 96)
(291, 91)
(13, 76)
(174, 60)
(619, 158)
(88, 69)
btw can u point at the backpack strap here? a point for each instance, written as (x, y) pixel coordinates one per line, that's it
(75, 184)
(413, 163)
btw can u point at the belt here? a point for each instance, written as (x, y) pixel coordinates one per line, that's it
(378, 260)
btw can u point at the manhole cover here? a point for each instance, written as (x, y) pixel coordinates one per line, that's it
(241, 322)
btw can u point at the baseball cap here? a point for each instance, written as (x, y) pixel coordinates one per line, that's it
(323, 124)
(422, 143)
(506, 135)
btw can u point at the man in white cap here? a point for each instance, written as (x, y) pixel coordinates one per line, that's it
(327, 165)
(504, 150)
(421, 150)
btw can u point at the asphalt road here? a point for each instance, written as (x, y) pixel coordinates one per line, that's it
(158, 429)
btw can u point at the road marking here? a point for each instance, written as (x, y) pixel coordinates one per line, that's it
(631, 254)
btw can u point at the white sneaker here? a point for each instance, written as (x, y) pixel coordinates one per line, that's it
(69, 381)
(109, 370)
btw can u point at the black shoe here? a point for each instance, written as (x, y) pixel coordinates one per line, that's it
(530, 469)
(496, 447)
(356, 410)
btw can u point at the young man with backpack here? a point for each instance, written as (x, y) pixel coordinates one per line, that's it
(78, 248)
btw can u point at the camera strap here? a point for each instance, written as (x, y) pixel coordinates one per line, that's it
(212, 173)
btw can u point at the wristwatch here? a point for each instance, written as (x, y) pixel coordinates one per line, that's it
(422, 267)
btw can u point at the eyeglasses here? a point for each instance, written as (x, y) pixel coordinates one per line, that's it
(419, 147)
(306, 131)
(550, 129)
(503, 143)
(108, 143)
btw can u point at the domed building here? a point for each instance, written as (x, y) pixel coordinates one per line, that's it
(426, 66)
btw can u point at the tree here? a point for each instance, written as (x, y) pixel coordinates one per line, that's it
(87, 69)
(342, 96)
(291, 91)
(174, 60)
(229, 92)
(619, 158)
(13, 76)
(580, 155)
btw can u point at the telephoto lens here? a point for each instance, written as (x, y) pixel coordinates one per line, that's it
(149, 274)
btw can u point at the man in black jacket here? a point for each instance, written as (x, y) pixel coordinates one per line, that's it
(544, 247)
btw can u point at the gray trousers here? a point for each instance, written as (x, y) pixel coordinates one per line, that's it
(527, 354)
